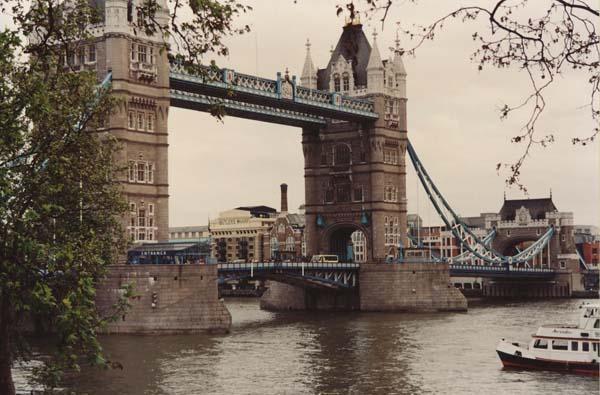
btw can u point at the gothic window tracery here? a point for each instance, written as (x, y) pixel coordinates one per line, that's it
(336, 82)
(342, 155)
(346, 81)
(343, 193)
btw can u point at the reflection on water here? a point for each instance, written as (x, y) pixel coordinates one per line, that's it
(297, 353)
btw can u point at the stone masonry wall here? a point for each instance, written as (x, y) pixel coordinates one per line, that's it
(281, 297)
(408, 287)
(185, 299)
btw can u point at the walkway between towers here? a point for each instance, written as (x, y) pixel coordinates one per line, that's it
(279, 101)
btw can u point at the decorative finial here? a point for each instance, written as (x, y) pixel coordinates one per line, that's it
(550, 193)
(331, 50)
(287, 72)
(374, 35)
(307, 45)
(505, 196)
(397, 42)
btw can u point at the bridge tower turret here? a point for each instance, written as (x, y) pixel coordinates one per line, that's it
(355, 175)
(140, 70)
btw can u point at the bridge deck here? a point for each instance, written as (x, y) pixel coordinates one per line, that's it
(264, 99)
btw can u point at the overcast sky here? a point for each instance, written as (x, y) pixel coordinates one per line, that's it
(453, 123)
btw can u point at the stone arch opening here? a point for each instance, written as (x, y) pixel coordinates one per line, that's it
(513, 245)
(348, 242)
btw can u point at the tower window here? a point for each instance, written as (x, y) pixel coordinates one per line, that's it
(342, 155)
(336, 82)
(130, 11)
(131, 120)
(81, 56)
(329, 195)
(92, 53)
(346, 81)
(140, 121)
(150, 123)
(142, 51)
(358, 194)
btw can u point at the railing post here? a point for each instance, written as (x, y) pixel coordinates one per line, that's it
(251, 269)
(302, 268)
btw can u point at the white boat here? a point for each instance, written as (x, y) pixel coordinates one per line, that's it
(566, 348)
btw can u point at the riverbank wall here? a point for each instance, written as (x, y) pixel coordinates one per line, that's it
(166, 299)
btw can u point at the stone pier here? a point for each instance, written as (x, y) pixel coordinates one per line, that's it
(167, 299)
(415, 287)
(283, 297)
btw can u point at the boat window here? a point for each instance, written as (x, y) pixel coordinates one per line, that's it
(560, 345)
(574, 346)
(541, 343)
(585, 346)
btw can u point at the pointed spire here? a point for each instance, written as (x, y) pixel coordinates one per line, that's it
(398, 63)
(374, 58)
(309, 73)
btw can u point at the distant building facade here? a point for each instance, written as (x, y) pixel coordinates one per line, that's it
(518, 224)
(286, 239)
(189, 233)
(239, 234)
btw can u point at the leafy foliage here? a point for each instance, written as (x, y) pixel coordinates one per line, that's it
(60, 203)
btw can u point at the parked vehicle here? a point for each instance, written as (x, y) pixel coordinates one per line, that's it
(325, 259)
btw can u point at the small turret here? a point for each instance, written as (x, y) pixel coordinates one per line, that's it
(375, 70)
(309, 73)
(399, 70)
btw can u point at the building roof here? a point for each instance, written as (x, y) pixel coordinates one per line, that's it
(297, 220)
(474, 222)
(258, 211)
(537, 208)
(203, 228)
(354, 47)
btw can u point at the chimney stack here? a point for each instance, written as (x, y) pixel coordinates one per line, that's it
(284, 202)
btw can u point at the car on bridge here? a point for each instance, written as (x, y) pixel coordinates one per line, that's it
(325, 259)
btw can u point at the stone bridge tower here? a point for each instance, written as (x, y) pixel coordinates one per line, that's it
(140, 71)
(355, 175)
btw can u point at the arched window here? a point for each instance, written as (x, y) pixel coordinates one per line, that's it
(343, 192)
(336, 82)
(346, 81)
(342, 155)
(130, 11)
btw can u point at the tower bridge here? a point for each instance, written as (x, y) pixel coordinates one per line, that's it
(352, 115)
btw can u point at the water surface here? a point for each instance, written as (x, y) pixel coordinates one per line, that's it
(340, 353)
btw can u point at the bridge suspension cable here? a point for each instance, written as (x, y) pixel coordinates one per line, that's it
(476, 247)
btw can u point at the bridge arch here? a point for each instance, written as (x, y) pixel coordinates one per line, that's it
(337, 240)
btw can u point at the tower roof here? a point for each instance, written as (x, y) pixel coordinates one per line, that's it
(398, 63)
(308, 71)
(354, 47)
(374, 58)
(537, 208)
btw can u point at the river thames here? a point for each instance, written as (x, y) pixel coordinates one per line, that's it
(341, 353)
